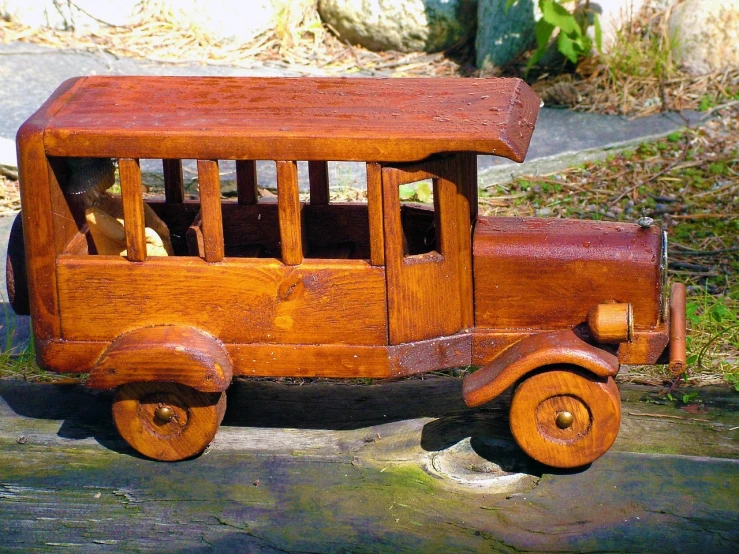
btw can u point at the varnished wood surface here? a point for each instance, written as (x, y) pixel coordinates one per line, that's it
(319, 183)
(594, 404)
(168, 354)
(174, 184)
(375, 210)
(289, 212)
(246, 182)
(37, 198)
(209, 183)
(534, 352)
(238, 301)
(197, 416)
(133, 209)
(425, 292)
(678, 325)
(539, 273)
(281, 118)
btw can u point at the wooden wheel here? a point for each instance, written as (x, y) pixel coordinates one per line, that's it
(16, 280)
(167, 421)
(564, 418)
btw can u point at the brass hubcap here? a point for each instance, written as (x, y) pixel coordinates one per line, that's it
(564, 420)
(164, 414)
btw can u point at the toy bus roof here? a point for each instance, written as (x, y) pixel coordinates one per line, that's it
(352, 119)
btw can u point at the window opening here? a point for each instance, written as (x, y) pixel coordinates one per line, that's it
(419, 217)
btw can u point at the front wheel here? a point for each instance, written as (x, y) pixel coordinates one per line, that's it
(565, 418)
(167, 421)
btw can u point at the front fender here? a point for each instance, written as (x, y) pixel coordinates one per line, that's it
(167, 354)
(529, 354)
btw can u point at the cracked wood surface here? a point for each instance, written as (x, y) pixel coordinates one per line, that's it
(331, 468)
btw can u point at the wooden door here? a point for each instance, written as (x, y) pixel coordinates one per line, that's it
(428, 250)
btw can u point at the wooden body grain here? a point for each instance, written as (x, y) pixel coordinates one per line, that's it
(238, 301)
(315, 119)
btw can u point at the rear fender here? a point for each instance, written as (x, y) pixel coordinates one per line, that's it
(173, 354)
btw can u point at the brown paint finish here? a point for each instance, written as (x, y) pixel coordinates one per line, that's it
(237, 301)
(386, 120)
(548, 273)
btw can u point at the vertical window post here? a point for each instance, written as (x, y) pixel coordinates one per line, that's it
(288, 212)
(210, 209)
(133, 208)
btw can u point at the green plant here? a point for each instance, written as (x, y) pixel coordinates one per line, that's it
(573, 40)
(713, 335)
(422, 191)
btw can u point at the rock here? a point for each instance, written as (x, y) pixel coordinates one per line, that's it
(403, 25)
(615, 15)
(79, 15)
(501, 36)
(7, 153)
(218, 19)
(230, 20)
(706, 34)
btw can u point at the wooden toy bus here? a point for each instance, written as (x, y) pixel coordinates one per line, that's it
(166, 300)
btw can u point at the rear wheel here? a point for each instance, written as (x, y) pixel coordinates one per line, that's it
(565, 418)
(15, 269)
(167, 421)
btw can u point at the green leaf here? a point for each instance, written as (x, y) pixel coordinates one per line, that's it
(543, 31)
(407, 192)
(598, 33)
(567, 47)
(424, 192)
(688, 398)
(556, 14)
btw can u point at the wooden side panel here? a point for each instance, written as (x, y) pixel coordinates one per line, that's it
(319, 185)
(174, 184)
(537, 273)
(238, 301)
(40, 236)
(425, 291)
(289, 209)
(133, 209)
(374, 205)
(310, 360)
(246, 182)
(210, 208)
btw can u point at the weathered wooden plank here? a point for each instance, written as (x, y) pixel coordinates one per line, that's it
(289, 459)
